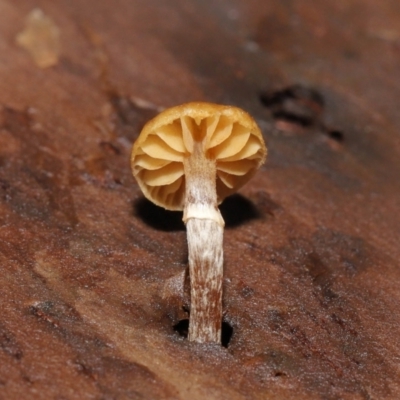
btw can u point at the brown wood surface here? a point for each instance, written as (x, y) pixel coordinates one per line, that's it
(92, 274)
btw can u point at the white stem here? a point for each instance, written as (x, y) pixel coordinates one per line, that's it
(205, 228)
(205, 239)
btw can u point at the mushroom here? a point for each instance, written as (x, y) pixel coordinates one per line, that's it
(190, 157)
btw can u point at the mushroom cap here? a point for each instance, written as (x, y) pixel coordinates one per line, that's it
(228, 135)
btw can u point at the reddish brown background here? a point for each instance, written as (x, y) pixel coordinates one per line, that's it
(90, 271)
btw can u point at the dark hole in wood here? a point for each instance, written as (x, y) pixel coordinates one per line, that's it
(226, 335)
(336, 135)
(294, 92)
(182, 328)
(302, 120)
(296, 104)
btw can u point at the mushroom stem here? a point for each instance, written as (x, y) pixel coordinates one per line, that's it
(205, 228)
(205, 270)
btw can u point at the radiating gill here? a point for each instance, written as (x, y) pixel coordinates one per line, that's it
(222, 131)
(147, 162)
(222, 190)
(174, 186)
(233, 144)
(250, 149)
(227, 179)
(175, 199)
(163, 176)
(188, 128)
(240, 167)
(172, 135)
(212, 123)
(155, 147)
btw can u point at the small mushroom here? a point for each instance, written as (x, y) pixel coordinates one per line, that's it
(190, 157)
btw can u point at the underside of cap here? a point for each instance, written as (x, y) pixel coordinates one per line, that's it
(227, 135)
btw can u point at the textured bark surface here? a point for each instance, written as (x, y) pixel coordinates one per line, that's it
(92, 275)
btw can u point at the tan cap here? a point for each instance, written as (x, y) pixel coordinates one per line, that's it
(228, 135)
